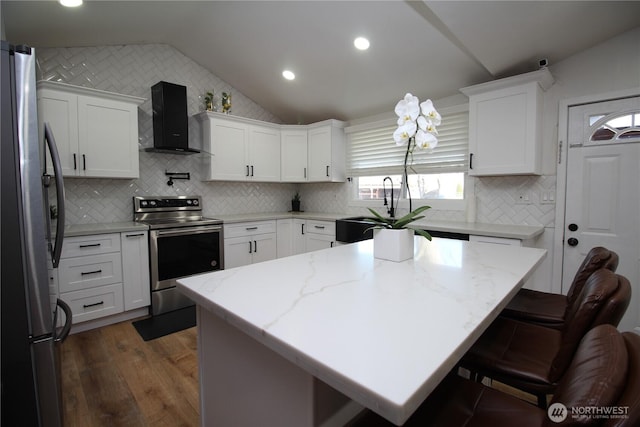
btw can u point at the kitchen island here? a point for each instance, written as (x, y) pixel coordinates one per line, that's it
(273, 335)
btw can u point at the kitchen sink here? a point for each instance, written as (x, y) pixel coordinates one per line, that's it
(357, 228)
(350, 230)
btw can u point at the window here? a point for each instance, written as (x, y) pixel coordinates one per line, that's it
(439, 175)
(421, 186)
(614, 128)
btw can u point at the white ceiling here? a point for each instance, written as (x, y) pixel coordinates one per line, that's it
(428, 48)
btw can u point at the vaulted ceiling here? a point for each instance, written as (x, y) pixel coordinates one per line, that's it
(428, 48)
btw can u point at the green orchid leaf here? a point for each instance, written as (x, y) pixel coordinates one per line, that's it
(423, 233)
(379, 218)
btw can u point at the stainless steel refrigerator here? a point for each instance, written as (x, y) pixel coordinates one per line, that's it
(30, 339)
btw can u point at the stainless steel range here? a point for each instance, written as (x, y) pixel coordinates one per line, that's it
(181, 243)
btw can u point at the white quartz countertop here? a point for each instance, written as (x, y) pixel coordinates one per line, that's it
(319, 216)
(522, 232)
(103, 228)
(383, 333)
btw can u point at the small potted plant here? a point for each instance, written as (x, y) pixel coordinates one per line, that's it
(295, 203)
(208, 101)
(393, 237)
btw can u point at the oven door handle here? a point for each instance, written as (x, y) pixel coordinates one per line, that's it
(187, 231)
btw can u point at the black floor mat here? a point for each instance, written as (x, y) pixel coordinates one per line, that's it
(165, 324)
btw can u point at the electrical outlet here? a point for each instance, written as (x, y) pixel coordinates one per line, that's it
(523, 198)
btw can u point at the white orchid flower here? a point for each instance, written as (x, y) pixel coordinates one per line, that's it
(407, 109)
(426, 125)
(425, 140)
(429, 111)
(404, 132)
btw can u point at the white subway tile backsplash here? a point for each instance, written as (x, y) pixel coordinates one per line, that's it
(133, 69)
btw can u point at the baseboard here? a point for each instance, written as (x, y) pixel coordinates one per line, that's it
(109, 320)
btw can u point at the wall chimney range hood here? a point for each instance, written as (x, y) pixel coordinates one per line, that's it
(170, 120)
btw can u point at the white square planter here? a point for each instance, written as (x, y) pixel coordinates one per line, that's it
(393, 245)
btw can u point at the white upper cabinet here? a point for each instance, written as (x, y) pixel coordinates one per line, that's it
(326, 152)
(293, 164)
(96, 132)
(238, 149)
(505, 120)
(264, 153)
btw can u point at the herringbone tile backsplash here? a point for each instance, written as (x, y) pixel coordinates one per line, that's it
(133, 69)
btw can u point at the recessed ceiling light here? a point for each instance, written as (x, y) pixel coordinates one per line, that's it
(361, 43)
(288, 75)
(70, 3)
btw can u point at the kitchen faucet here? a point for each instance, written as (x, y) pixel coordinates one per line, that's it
(390, 210)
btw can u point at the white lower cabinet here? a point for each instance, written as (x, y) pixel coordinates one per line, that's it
(296, 236)
(105, 274)
(319, 235)
(249, 242)
(135, 270)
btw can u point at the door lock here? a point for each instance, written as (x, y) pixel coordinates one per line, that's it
(572, 241)
(573, 227)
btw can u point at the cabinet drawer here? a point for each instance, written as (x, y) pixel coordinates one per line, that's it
(249, 228)
(321, 227)
(88, 272)
(89, 304)
(90, 245)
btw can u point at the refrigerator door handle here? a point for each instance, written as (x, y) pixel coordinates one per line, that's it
(57, 173)
(67, 322)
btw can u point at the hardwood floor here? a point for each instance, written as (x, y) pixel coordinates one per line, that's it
(111, 377)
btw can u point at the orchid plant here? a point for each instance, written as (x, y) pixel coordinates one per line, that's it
(416, 128)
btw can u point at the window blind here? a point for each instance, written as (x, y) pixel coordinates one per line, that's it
(372, 150)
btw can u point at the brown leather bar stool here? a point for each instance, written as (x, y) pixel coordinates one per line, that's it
(604, 372)
(548, 309)
(533, 358)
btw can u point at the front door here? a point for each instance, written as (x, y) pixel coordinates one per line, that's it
(603, 191)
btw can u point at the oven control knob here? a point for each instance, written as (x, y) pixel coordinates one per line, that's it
(152, 203)
(189, 202)
(195, 202)
(143, 204)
